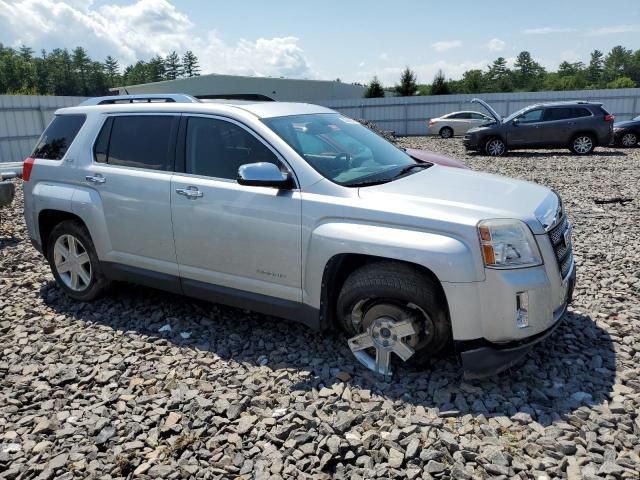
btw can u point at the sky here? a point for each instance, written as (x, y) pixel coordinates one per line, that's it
(348, 39)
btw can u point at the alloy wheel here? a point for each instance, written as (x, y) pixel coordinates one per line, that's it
(446, 132)
(72, 262)
(583, 144)
(629, 139)
(388, 328)
(495, 147)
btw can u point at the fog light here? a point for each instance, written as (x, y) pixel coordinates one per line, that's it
(522, 309)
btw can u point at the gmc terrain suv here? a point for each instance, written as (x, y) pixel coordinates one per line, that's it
(299, 212)
(579, 126)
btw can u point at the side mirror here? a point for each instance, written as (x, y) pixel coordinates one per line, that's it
(515, 122)
(264, 174)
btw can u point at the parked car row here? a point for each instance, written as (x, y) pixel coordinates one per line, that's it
(580, 126)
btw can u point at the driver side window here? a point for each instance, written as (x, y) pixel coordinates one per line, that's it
(531, 116)
(217, 148)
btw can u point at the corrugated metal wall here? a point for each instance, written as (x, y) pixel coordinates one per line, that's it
(22, 120)
(409, 115)
(23, 117)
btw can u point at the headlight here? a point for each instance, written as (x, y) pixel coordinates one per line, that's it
(508, 243)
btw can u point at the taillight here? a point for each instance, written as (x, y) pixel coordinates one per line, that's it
(27, 166)
(609, 118)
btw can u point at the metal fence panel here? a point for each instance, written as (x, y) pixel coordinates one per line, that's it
(409, 115)
(24, 117)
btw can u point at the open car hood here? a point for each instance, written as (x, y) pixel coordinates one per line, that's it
(489, 109)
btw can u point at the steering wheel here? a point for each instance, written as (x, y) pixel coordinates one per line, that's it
(349, 159)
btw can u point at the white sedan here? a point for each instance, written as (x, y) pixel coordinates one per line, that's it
(456, 123)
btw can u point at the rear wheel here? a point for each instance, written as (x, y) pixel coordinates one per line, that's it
(74, 262)
(495, 147)
(446, 132)
(390, 308)
(629, 139)
(583, 144)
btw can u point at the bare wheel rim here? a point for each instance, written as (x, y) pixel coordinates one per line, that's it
(388, 327)
(583, 144)
(629, 139)
(72, 263)
(495, 147)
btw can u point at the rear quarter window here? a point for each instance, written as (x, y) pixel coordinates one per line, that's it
(58, 137)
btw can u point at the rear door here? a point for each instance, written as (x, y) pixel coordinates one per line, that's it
(131, 173)
(231, 237)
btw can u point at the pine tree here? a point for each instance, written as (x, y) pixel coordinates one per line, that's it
(190, 66)
(112, 71)
(439, 85)
(81, 64)
(408, 84)
(156, 70)
(172, 66)
(374, 89)
(596, 66)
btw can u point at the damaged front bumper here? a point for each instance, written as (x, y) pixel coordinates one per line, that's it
(482, 358)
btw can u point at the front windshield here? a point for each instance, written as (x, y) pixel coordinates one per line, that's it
(341, 149)
(514, 115)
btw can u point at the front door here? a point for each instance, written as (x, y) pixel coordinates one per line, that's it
(242, 238)
(527, 130)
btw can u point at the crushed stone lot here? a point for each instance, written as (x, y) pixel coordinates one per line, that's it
(151, 385)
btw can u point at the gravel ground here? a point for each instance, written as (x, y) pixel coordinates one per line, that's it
(107, 390)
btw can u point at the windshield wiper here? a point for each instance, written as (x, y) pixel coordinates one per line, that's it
(367, 183)
(408, 168)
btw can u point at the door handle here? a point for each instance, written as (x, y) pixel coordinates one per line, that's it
(190, 192)
(97, 178)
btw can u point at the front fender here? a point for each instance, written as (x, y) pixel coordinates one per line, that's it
(448, 257)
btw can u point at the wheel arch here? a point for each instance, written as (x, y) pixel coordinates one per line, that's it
(338, 269)
(47, 220)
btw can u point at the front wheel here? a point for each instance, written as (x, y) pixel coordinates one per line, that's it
(390, 307)
(495, 147)
(583, 144)
(74, 262)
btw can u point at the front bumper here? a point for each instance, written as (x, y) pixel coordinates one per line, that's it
(482, 358)
(470, 142)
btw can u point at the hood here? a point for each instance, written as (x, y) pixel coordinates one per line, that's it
(432, 157)
(626, 123)
(489, 108)
(464, 196)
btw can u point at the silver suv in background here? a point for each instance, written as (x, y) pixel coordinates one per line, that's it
(455, 123)
(297, 211)
(579, 126)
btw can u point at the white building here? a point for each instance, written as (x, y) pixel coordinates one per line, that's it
(233, 86)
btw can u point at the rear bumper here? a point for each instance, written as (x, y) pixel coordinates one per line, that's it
(7, 192)
(482, 358)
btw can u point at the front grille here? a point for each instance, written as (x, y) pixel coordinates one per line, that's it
(563, 252)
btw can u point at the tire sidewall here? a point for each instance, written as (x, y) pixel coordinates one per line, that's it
(424, 298)
(98, 281)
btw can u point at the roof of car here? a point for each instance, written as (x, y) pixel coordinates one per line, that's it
(260, 109)
(565, 103)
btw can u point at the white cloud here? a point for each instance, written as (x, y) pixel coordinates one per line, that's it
(548, 30)
(614, 29)
(495, 45)
(384, 56)
(444, 45)
(142, 29)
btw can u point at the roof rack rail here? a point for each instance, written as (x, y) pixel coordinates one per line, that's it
(144, 98)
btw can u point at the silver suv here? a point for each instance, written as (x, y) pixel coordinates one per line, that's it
(299, 212)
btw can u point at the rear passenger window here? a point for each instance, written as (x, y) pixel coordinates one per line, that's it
(58, 137)
(580, 112)
(561, 113)
(217, 148)
(141, 141)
